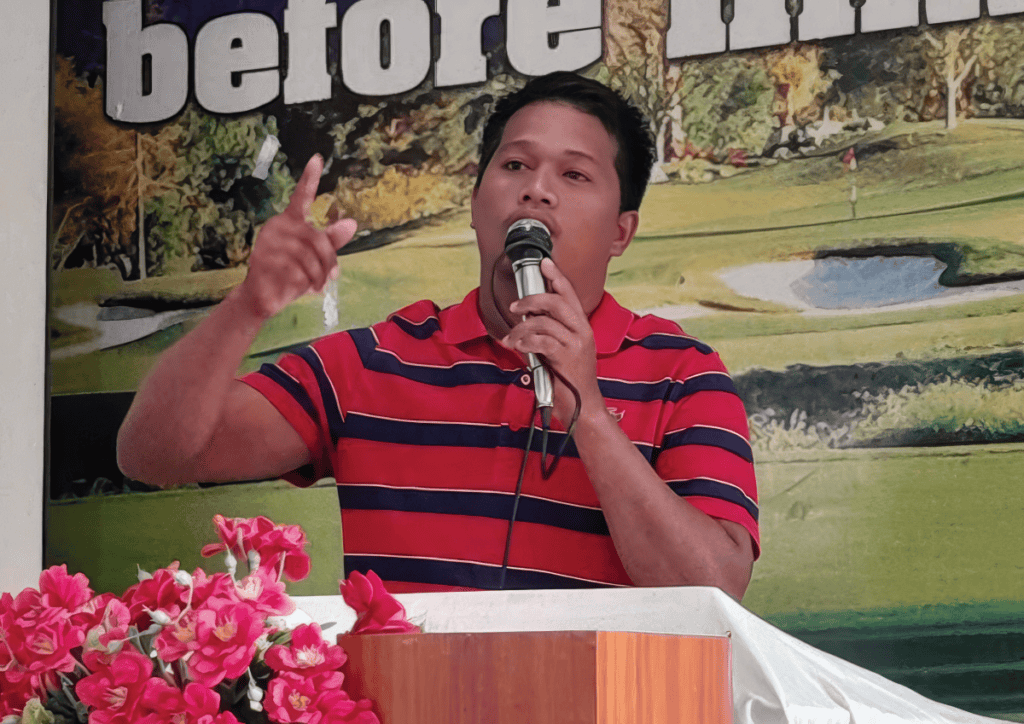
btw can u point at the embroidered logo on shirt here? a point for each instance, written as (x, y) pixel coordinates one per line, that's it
(616, 413)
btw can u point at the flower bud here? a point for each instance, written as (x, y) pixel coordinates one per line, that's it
(143, 575)
(231, 563)
(115, 645)
(255, 694)
(254, 561)
(182, 578)
(159, 617)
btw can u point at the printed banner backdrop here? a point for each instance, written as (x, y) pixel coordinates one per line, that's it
(837, 209)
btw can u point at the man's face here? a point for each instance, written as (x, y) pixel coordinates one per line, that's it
(555, 164)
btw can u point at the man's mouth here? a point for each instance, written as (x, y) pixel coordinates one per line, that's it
(534, 217)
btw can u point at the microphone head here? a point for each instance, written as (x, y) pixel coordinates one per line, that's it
(527, 239)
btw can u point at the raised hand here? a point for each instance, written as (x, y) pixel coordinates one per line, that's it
(290, 257)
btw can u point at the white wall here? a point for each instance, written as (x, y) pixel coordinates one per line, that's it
(24, 113)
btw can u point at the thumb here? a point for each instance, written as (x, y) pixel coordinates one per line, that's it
(341, 232)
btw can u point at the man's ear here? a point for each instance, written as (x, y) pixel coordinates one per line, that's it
(629, 222)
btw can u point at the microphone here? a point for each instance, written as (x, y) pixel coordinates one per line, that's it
(527, 243)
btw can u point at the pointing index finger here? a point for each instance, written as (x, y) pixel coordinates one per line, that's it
(305, 191)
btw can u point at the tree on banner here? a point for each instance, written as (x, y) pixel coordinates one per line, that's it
(114, 171)
(954, 55)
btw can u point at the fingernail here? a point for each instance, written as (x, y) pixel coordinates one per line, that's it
(334, 273)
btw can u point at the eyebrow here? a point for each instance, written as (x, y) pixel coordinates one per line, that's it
(528, 145)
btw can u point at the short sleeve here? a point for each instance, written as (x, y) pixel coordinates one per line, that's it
(705, 454)
(299, 385)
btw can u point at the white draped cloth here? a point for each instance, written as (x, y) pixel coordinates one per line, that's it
(777, 679)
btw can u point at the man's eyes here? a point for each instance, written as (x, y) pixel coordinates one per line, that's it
(517, 165)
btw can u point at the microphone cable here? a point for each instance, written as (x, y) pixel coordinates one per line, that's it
(546, 470)
(515, 500)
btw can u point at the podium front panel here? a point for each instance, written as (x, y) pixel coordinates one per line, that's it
(563, 677)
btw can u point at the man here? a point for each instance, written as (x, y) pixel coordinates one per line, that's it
(423, 419)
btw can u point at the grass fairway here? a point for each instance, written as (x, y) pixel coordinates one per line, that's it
(106, 537)
(869, 529)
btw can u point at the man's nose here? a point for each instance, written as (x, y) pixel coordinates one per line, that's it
(539, 190)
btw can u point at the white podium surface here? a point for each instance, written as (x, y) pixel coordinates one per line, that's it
(776, 678)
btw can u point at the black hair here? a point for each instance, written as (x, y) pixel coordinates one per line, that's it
(623, 121)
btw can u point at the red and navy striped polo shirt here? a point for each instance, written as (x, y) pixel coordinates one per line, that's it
(423, 420)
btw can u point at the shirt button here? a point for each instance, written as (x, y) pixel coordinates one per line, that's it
(525, 380)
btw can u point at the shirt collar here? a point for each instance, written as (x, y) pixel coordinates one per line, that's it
(463, 321)
(610, 322)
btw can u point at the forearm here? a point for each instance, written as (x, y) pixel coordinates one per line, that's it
(184, 399)
(661, 539)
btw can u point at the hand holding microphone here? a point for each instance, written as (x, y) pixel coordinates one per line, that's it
(527, 243)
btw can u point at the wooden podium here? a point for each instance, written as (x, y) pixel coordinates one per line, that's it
(563, 677)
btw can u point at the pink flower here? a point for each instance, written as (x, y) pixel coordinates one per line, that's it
(196, 705)
(279, 546)
(265, 593)
(14, 695)
(228, 632)
(37, 640)
(287, 542)
(219, 585)
(225, 717)
(307, 654)
(115, 692)
(178, 639)
(161, 592)
(233, 533)
(377, 611)
(91, 614)
(220, 636)
(200, 702)
(361, 713)
(163, 700)
(59, 590)
(111, 626)
(300, 700)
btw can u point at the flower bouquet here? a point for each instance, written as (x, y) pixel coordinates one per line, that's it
(186, 648)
